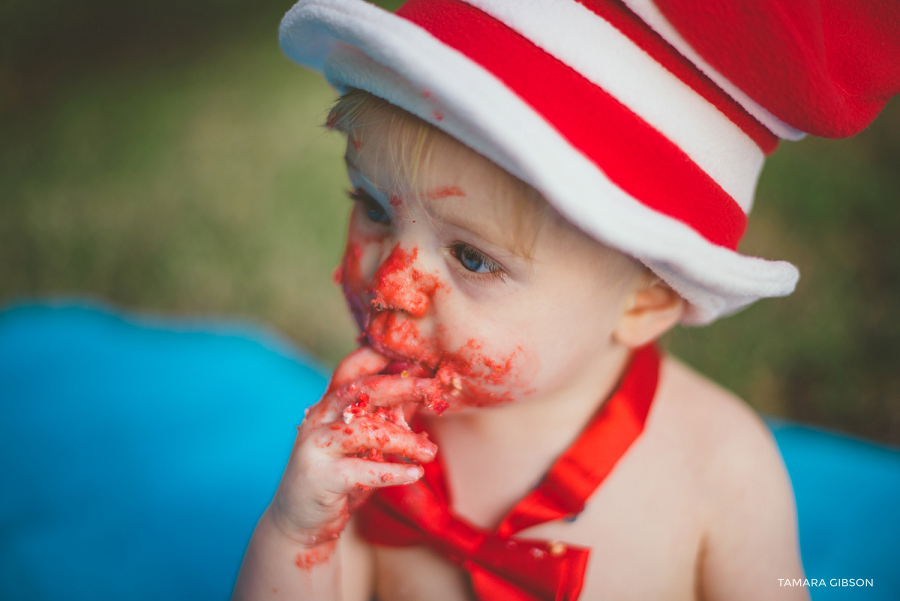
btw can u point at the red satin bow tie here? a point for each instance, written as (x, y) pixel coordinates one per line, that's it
(503, 567)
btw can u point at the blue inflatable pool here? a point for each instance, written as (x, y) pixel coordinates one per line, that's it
(136, 455)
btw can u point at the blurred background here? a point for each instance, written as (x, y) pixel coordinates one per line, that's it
(166, 158)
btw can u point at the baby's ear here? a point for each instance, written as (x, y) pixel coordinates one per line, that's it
(650, 311)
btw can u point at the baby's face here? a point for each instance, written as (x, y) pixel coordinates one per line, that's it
(437, 281)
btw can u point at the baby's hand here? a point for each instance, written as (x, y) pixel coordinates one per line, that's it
(337, 456)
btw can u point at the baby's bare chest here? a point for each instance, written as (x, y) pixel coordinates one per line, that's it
(644, 536)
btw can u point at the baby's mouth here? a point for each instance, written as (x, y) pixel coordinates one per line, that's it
(400, 365)
(431, 396)
(399, 339)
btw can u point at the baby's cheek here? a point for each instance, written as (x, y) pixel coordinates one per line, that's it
(471, 377)
(357, 265)
(348, 276)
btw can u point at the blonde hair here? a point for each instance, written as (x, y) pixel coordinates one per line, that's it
(411, 142)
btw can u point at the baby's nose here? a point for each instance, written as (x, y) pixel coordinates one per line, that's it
(400, 286)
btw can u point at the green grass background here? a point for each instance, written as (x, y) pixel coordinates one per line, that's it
(169, 159)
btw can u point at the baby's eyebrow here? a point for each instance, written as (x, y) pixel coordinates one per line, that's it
(447, 215)
(445, 192)
(485, 230)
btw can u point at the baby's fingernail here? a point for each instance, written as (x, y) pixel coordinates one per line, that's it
(414, 472)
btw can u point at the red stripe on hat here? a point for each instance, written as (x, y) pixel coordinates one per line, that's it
(633, 155)
(621, 17)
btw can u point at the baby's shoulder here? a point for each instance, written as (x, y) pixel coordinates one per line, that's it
(724, 439)
(732, 475)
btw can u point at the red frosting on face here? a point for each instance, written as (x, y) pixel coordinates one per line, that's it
(349, 276)
(445, 192)
(467, 376)
(407, 368)
(400, 286)
(391, 311)
(472, 378)
(399, 337)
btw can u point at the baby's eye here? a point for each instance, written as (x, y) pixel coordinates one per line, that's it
(370, 207)
(474, 260)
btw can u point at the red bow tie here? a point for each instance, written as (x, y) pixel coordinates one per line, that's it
(503, 567)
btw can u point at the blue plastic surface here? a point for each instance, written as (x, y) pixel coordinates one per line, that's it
(847, 493)
(136, 455)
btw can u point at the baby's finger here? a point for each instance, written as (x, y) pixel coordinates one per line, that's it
(361, 362)
(364, 361)
(389, 391)
(370, 432)
(357, 473)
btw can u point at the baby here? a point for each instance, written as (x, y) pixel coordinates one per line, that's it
(540, 191)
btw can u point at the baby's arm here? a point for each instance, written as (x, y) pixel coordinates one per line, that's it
(752, 539)
(297, 548)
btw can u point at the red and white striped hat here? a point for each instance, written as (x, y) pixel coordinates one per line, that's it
(645, 123)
